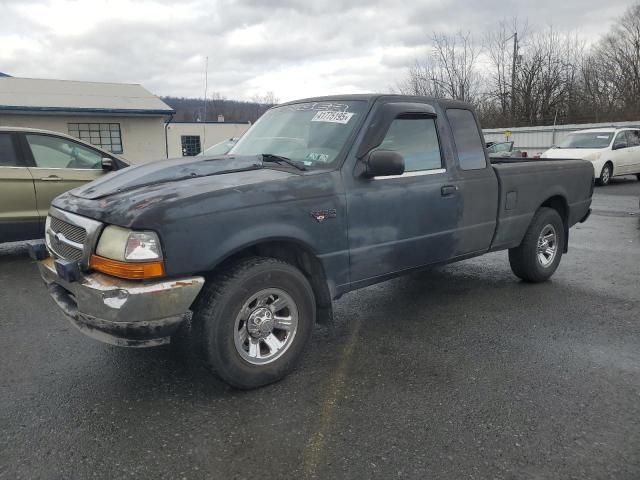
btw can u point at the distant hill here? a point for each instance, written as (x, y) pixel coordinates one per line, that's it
(192, 109)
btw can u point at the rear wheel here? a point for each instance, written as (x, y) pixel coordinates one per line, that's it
(605, 175)
(539, 254)
(253, 321)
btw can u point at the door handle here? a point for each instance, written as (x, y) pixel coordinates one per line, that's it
(51, 178)
(448, 190)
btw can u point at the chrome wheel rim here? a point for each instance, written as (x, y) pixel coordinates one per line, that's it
(605, 175)
(266, 326)
(547, 246)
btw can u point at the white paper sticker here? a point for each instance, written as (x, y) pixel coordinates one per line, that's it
(333, 117)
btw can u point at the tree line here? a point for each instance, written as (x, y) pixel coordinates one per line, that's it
(197, 110)
(519, 77)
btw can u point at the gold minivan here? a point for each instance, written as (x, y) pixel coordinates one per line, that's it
(35, 167)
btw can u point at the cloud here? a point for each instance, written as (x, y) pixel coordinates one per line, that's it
(294, 48)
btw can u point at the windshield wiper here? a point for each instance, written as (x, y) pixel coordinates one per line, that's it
(270, 157)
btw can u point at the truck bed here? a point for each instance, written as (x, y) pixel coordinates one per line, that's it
(526, 184)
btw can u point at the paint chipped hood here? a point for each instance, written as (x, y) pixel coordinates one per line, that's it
(154, 195)
(164, 171)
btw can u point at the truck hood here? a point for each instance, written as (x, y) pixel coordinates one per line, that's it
(171, 170)
(573, 153)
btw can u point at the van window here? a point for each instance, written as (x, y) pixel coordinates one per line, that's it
(633, 138)
(467, 139)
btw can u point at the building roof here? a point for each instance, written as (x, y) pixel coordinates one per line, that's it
(29, 95)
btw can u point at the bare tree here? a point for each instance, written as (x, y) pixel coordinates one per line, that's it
(612, 73)
(499, 51)
(451, 70)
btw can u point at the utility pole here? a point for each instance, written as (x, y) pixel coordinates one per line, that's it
(204, 124)
(513, 78)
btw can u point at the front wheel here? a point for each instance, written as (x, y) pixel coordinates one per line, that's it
(605, 175)
(253, 321)
(539, 254)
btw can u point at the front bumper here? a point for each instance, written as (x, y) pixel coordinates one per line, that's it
(122, 312)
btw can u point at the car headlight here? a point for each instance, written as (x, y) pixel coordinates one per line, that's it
(122, 244)
(128, 254)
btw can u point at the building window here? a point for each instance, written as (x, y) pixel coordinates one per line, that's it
(190, 145)
(103, 135)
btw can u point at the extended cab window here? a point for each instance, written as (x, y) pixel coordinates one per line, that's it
(414, 138)
(467, 139)
(8, 157)
(58, 152)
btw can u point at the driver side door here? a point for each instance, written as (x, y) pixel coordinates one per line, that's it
(58, 164)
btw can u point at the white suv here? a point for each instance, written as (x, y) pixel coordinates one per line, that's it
(613, 151)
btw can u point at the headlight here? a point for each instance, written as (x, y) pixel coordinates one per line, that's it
(128, 254)
(119, 243)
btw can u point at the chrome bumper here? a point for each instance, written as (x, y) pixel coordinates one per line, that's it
(122, 312)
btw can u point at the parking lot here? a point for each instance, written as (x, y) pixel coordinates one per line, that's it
(459, 372)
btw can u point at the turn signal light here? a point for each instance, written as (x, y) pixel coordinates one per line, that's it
(127, 270)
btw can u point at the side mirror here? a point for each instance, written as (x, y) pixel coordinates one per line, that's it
(108, 164)
(384, 163)
(618, 146)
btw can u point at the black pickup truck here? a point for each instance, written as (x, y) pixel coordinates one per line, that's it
(322, 196)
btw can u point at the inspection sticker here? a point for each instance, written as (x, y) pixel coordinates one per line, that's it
(333, 117)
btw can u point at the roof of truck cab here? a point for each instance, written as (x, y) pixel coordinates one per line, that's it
(371, 97)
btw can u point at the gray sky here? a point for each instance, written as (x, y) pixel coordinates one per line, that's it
(295, 48)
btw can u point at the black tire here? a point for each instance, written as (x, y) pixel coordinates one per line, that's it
(524, 260)
(605, 178)
(219, 303)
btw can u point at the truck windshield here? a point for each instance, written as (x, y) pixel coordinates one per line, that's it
(310, 133)
(586, 140)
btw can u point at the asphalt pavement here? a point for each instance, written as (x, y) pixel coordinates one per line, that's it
(459, 372)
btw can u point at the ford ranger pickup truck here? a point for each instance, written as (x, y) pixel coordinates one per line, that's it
(320, 197)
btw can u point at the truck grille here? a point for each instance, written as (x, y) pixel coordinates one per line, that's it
(70, 232)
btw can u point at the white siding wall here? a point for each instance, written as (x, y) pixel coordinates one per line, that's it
(142, 137)
(535, 140)
(209, 133)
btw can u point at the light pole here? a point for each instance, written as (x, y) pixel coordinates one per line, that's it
(513, 75)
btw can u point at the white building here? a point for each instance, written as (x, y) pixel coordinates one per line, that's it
(123, 118)
(185, 138)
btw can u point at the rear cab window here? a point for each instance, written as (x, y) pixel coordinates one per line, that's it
(466, 137)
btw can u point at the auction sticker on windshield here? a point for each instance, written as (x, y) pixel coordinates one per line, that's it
(333, 117)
